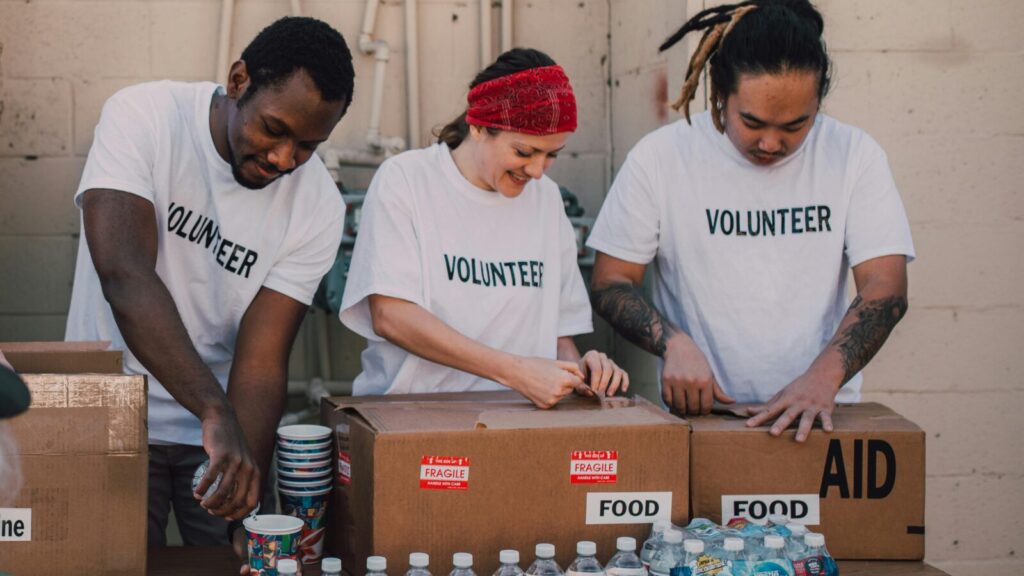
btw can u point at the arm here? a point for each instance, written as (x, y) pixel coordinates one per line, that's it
(880, 304)
(415, 329)
(687, 383)
(121, 231)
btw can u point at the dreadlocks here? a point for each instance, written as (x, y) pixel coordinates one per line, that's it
(758, 36)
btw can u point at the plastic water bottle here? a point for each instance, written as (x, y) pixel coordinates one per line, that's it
(657, 532)
(418, 562)
(774, 562)
(330, 566)
(463, 564)
(287, 567)
(734, 556)
(586, 560)
(693, 548)
(625, 562)
(816, 560)
(509, 563)
(795, 543)
(669, 554)
(545, 564)
(376, 565)
(777, 525)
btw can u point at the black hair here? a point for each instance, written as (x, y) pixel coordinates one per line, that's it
(294, 43)
(755, 37)
(515, 60)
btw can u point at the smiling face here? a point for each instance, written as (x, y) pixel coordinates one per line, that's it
(277, 129)
(768, 116)
(505, 162)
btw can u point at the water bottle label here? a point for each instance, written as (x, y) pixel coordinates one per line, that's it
(772, 568)
(708, 565)
(444, 473)
(578, 573)
(815, 566)
(593, 467)
(616, 571)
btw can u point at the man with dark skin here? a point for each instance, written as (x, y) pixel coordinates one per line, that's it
(208, 222)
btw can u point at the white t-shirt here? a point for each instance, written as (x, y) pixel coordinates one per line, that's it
(499, 270)
(218, 242)
(752, 261)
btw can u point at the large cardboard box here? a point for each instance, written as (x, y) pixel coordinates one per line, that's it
(861, 485)
(480, 472)
(84, 458)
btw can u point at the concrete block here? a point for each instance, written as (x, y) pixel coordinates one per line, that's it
(89, 98)
(976, 179)
(184, 36)
(32, 327)
(37, 197)
(35, 117)
(988, 25)
(971, 518)
(968, 434)
(585, 175)
(639, 106)
(960, 264)
(940, 94)
(638, 28)
(872, 25)
(76, 39)
(958, 349)
(38, 272)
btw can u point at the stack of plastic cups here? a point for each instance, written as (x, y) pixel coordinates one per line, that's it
(304, 482)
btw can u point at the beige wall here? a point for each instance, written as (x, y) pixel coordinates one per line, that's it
(935, 81)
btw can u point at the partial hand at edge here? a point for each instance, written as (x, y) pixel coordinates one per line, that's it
(688, 385)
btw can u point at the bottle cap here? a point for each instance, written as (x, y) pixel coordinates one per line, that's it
(796, 529)
(778, 519)
(661, 525)
(693, 546)
(419, 560)
(462, 560)
(287, 566)
(734, 544)
(774, 541)
(376, 563)
(673, 536)
(626, 543)
(545, 550)
(330, 564)
(814, 539)
(586, 548)
(509, 556)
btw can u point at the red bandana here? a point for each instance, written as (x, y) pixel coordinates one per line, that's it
(537, 101)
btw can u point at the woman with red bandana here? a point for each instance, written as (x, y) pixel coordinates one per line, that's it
(464, 275)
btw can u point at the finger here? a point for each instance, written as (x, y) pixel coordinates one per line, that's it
(782, 422)
(615, 384)
(235, 506)
(247, 495)
(205, 482)
(625, 381)
(215, 502)
(584, 390)
(826, 421)
(721, 396)
(594, 371)
(707, 399)
(692, 401)
(608, 369)
(244, 571)
(806, 423)
(571, 367)
(762, 414)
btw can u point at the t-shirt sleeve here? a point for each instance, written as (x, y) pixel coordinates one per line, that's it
(876, 220)
(574, 314)
(123, 147)
(386, 257)
(628, 225)
(306, 258)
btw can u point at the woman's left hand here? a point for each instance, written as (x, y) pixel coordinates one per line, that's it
(604, 376)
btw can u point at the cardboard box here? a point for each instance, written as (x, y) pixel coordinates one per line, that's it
(861, 485)
(480, 472)
(84, 458)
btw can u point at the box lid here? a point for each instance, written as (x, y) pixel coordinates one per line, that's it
(863, 417)
(63, 357)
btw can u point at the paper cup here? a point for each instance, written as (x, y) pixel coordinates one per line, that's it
(289, 453)
(304, 472)
(272, 537)
(303, 465)
(308, 482)
(303, 434)
(311, 508)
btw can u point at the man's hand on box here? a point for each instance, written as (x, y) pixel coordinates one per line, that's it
(808, 398)
(225, 444)
(688, 385)
(602, 374)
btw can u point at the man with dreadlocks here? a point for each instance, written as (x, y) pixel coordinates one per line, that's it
(753, 213)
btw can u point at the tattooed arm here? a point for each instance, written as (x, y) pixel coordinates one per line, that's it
(880, 304)
(687, 383)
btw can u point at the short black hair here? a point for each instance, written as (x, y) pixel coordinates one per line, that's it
(293, 43)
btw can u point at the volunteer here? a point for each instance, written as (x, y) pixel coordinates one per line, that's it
(753, 215)
(208, 222)
(464, 275)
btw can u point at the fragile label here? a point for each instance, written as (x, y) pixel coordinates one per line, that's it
(628, 507)
(15, 524)
(344, 468)
(799, 508)
(594, 467)
(444, 473)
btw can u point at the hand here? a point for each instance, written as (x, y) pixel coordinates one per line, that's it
(687, 384)
(807, 398)
(604, 377)
(544, 382)
(225, 444)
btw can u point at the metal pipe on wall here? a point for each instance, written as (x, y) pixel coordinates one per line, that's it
(227, 16)
(296, 9)
(506, 25)
(485, 33)
(412, 74)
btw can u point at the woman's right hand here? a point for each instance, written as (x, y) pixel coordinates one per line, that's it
(544, 382)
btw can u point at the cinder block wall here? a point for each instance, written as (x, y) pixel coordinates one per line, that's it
(933, 80)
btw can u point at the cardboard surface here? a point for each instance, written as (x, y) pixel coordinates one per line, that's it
(510, 482)
(867, 479)
(84, 457)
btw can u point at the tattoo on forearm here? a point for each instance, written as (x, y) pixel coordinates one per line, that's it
(859, 342)
(625, 308)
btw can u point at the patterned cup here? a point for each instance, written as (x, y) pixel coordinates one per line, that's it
(311, 507)
(303, 434)
(272, 537)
